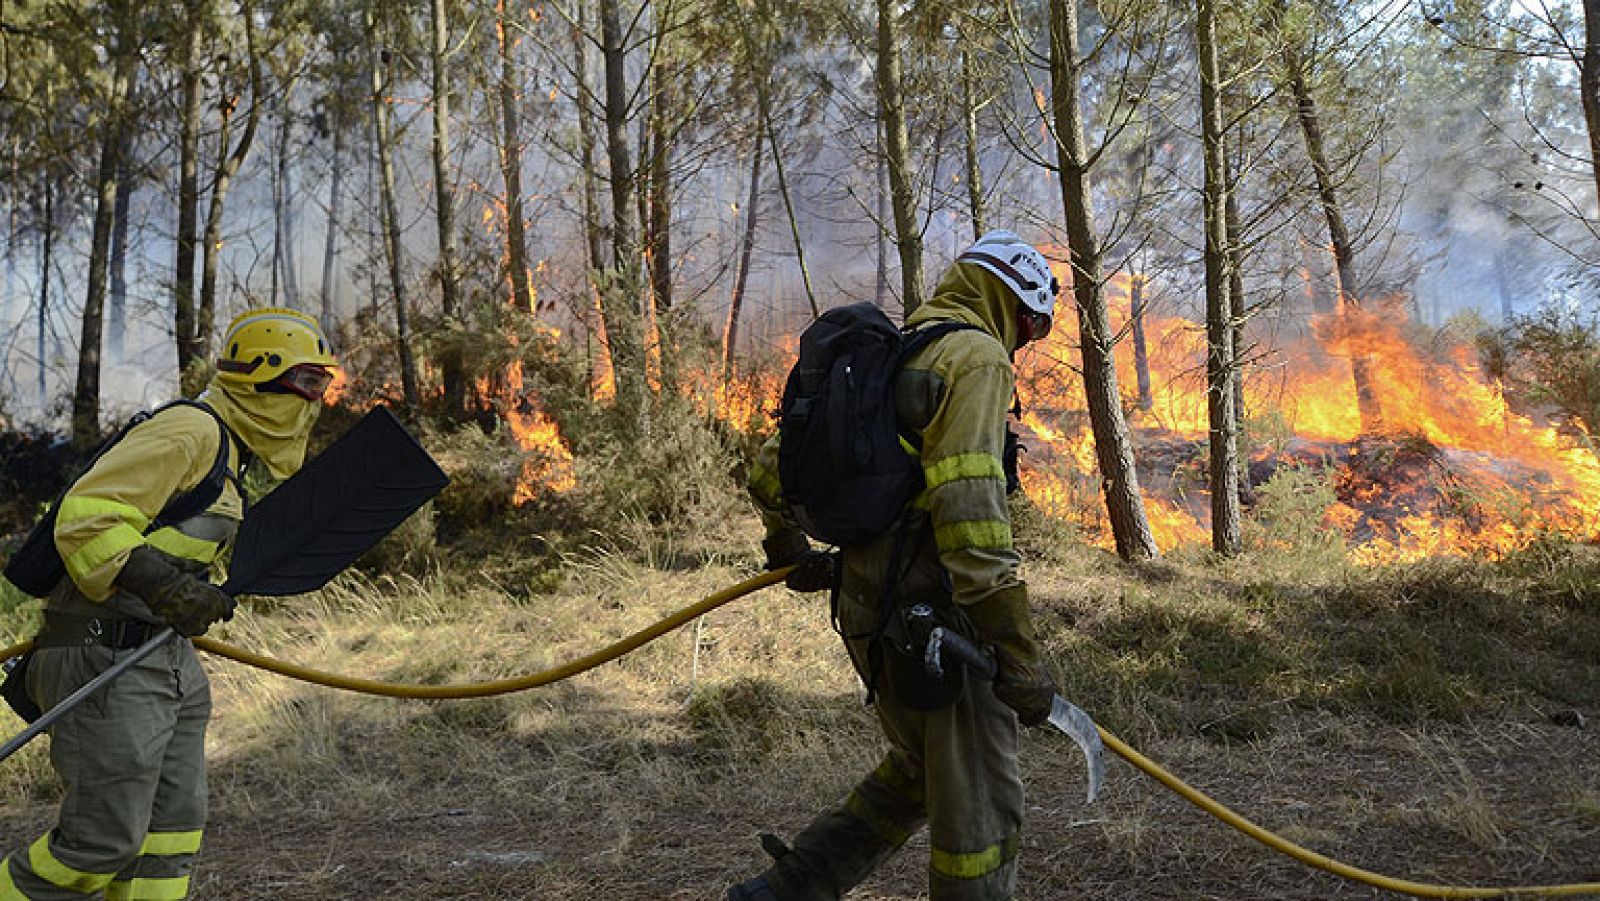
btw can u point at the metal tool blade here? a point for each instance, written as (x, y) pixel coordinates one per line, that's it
(1076, 725)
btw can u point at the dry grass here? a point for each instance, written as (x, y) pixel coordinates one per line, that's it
(1398, 719)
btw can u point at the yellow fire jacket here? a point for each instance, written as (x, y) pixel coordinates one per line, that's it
(955, 394)
(106, 512)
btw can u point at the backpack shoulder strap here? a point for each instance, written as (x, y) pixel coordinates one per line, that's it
(915, 340)
(195, 500)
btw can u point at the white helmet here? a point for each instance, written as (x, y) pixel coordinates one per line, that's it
(1022, 268)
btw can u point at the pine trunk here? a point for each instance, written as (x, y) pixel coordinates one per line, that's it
(330, 246)
(659, 207)
(511, 169)
(382, 62)
(788, 202)
(1235, 260)
(969, 124)
(283, 262)
(86, 395)
(227, 168)
(451, 370)
(660, 199)
(902, 195)
(619, 302)
(47, 242)
(1112, 441)
(183, 288)
(880, 291)
(117, 309)
(596, 234)
(1220, 371)
(1589, 81)
(1141, 352)
(730, 332)
(1338, 235)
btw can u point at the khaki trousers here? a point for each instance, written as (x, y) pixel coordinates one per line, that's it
(132, 758)
(954, 770)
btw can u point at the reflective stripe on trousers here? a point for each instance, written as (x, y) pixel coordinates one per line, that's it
(132, 759)
(955, 770)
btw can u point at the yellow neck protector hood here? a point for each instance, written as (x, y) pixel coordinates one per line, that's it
(970, 293)
(274, 426)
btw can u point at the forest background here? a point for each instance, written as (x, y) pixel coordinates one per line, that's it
(1309, 468)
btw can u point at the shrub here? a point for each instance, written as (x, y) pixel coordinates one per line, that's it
(1550, 358)
(1290, 509)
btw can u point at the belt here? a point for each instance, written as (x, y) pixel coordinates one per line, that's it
(68, 630)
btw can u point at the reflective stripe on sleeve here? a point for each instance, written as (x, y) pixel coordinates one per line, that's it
(178, 544)
(168, 843)
(173, 889)
(963, 466)
(47, 867)
(977, 864)
(76, 508)
(765, 486)
(979, 533)
(104, 548)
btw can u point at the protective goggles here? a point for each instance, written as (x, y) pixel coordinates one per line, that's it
(308, 380)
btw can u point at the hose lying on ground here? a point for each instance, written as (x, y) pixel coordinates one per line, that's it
(711, 602)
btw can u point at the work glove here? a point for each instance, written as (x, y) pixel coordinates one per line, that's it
(1022, 680)
(785, 547)
(814, 571)
(188, 604)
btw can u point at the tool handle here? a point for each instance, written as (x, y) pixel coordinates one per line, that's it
(73, 700)
(944, 644)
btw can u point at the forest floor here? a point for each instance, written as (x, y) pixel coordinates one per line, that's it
(1437, 722)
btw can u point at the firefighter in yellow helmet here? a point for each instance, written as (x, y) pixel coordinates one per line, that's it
(952, 759)
(132, 757)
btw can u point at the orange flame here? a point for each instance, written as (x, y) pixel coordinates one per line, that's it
(1524, 478)
(547, 464)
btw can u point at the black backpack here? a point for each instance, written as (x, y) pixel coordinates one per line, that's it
(845, 473)
(36, 566)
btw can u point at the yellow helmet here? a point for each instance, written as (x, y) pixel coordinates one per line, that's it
(263, 344)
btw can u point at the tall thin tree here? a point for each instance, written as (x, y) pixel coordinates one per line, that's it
(1113, 444)
(452, 371)
(124, 54)
(619, 299)
(187, 236)
(897, 154)
(381, 61)
(228, 165)
(1589, 84)
(511, 162)
(1361, 367)
(1220, 372)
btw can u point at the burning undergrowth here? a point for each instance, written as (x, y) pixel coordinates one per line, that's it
(1435, 460)
(1430, 457)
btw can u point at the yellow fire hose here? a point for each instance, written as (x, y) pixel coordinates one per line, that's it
(712, 602)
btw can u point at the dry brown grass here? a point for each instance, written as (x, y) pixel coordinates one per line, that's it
(1279, 683)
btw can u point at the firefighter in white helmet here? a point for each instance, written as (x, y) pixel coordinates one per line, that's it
(952, 760)
(132, 757)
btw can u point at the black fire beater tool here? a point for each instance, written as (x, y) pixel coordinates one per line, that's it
(307, 530)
